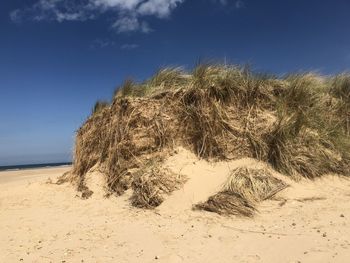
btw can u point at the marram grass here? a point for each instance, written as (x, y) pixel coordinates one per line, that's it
(299, 124)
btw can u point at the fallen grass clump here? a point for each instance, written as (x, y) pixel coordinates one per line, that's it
(254, 185)
(299, 124)
(228, 203)
(152, 185)
(243, 191)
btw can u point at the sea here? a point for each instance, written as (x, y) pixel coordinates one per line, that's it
(32, 166)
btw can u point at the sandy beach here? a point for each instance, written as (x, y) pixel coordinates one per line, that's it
(43, 222)
(174, 131)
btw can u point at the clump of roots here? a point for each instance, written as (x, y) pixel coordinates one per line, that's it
(243, 191)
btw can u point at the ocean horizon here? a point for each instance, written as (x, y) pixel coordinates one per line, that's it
(33, 166)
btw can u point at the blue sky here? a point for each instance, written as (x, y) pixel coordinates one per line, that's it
(57, 57)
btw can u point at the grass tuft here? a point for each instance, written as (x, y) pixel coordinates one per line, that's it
(99, 106)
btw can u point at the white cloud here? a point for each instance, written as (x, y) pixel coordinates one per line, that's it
(129, 15)
(58, 10)
(119, 4)
(130, 24)
(125, 24)
(70, 16)
(160, 8)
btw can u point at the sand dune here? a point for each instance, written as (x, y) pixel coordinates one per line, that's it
(40, 222)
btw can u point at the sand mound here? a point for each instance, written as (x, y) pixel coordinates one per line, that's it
(204, 178)
(96, 182)
(298, 124)
(243, 182)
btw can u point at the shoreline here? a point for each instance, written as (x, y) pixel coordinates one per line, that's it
(32, 175)
(9, 168)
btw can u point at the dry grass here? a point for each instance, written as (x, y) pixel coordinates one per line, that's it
(243, 191)
(254, 185)
(340, 89)
(167, 79)
(99, 106)
(299, 124)
(152, 184)
(228, 203)
(307, 139)
(311, 199)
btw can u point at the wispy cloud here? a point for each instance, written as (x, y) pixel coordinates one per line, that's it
(235, 3)
(109, 43)
(222, 2)
(102, 43)
(239, 4)
(130, 24)
(129, 46)
(128, 15)
(15, 16)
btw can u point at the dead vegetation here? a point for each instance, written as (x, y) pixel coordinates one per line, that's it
(228, 203)
(299, 124)
(311, 199)
(255, 185)
(243, 191)
(152, 184)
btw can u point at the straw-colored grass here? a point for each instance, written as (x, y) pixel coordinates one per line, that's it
(243, 191)
(306, 138)
(254, 185)
(152, 184)
(299, 124)
(99, 106)
(228, 203)
(340, 89)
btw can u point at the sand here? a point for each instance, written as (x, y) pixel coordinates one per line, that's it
(40, 222)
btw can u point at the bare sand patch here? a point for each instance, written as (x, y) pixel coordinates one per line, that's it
(49, 223)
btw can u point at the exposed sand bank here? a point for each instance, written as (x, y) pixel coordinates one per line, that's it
(308, 222)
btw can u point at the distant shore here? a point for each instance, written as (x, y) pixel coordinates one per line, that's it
(33, 174)
(33, 166)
